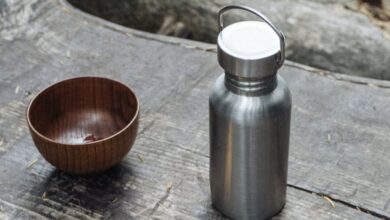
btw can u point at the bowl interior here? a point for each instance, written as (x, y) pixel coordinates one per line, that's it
(82, 110)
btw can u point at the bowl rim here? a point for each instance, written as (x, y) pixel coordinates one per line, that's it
(88, 143)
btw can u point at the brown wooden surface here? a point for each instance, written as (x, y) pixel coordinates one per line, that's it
(339, 132)
(84, 125)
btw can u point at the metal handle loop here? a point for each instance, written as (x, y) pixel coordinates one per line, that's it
(263, 18)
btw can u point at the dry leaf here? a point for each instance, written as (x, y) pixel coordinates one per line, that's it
(44, 197)
(330, 201)
(169, 186)
(66, 10)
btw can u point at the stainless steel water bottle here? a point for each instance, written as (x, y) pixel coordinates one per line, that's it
(250, 109)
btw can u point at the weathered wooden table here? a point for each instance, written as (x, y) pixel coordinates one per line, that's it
(339, 165)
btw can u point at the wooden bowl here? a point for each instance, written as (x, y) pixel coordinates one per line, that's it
(84, 125)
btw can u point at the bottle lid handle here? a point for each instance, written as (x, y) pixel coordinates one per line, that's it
(263, 18)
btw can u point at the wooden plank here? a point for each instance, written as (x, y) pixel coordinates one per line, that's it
(339, 145)
(135, 189)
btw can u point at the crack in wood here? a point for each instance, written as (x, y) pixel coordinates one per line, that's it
(161, 200)
(339, 76)
(350, 205)
(31, 212)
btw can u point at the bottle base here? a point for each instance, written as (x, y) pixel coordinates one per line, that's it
(245, 216)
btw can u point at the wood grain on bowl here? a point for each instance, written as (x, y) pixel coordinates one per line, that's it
(84, 125)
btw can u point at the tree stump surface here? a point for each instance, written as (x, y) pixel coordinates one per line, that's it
(338, 164)
(345, 36)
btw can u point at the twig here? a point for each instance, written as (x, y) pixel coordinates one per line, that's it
(329, 138)
(140, 158)
(32, 163)
(211, 49)
(17, 89)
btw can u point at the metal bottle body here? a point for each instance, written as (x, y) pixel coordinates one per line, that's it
(249, 141)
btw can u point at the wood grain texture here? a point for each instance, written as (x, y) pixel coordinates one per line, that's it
(339, 143)
(84, 125)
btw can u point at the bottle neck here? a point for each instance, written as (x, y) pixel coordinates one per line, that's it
(250, 86)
